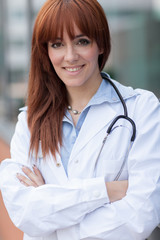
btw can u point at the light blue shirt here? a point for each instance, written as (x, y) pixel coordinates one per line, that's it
(70, 132)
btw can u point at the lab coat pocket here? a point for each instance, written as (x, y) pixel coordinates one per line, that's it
(119, 140)
(115, 152)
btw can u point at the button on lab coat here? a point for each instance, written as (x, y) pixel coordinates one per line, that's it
(77, 206)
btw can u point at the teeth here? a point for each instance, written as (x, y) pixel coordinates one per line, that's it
(73, 69)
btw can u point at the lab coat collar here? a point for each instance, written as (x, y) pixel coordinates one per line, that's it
(126, 92)
(107, 92)
(23, 109)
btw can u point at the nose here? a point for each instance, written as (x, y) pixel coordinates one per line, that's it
(71, 54)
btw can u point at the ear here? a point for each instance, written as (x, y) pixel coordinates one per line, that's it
(101, 51)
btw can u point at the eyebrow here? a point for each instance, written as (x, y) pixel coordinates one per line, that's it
(77, 36)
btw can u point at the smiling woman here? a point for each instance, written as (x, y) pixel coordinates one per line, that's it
(49, 40)
(58, 183)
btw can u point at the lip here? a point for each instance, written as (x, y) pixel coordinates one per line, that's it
(73, 69)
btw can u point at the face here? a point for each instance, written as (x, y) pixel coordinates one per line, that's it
(75, 60)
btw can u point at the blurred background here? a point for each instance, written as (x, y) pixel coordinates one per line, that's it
(134, 60)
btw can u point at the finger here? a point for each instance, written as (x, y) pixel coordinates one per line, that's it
(25, 181)
(30, 174)
(40, 179)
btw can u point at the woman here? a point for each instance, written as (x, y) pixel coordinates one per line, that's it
(55, 186)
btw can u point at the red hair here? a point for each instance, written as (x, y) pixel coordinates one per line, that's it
(47, 96)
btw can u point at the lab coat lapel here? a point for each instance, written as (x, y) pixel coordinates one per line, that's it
(58, 170)
(56, 167)
(97, 117)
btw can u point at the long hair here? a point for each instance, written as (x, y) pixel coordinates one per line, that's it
(47, 95)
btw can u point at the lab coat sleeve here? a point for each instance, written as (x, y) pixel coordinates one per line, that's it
(43, 210)
(138, 213)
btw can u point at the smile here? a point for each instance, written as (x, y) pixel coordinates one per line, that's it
(73, 69)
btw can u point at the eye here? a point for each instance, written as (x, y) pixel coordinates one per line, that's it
(83, 42)
(56, 45)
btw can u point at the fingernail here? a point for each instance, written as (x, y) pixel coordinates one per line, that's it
(23, 167)
(34, 166)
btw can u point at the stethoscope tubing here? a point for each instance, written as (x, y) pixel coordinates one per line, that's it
(110, 128)
(126, 118)
(105, 76)
(125, 115)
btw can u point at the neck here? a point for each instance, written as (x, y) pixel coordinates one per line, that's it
(80, 96)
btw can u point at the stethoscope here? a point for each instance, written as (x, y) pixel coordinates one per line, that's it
(111, 126)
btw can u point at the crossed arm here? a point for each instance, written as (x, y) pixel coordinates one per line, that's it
(116, 190)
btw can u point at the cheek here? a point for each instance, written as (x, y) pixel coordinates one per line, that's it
(55, 58)
(92, 56)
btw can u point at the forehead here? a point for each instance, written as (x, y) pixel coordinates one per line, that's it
(75, 33)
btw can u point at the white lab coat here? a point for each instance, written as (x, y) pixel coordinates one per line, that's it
(77, 207)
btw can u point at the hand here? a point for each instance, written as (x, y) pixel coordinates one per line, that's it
(116, 190)
(34, 178)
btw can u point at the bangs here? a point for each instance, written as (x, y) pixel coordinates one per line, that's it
(67, 14)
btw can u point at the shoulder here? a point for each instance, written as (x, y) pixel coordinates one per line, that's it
(140, 102)
(23, 114)
(137, 94)
(146, 99)
(146, 106)
(22, 125)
